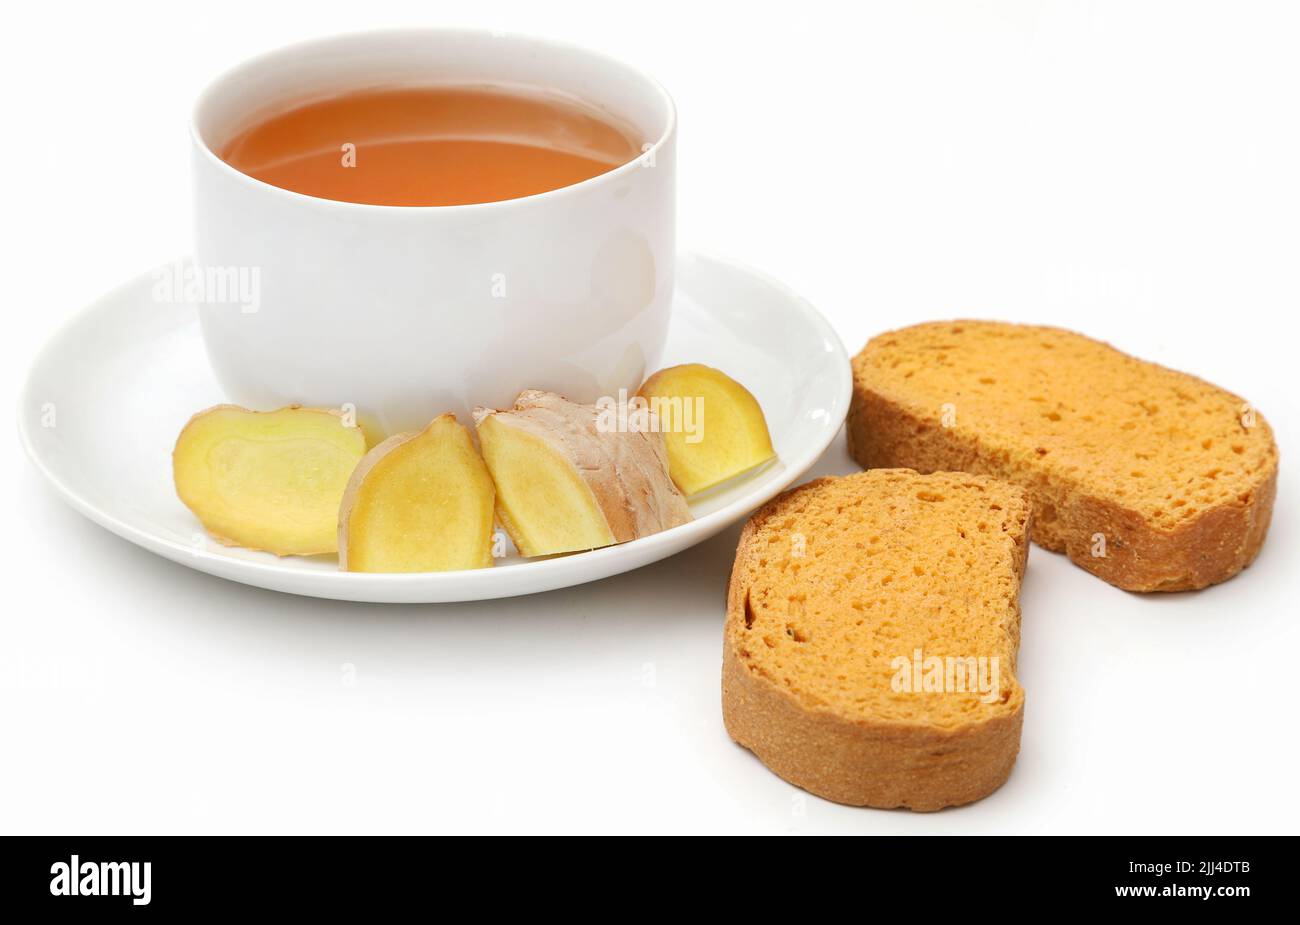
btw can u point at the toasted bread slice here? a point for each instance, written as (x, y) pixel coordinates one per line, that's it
(871, 636)
(1150, 479)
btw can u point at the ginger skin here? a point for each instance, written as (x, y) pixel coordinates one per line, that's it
(566, 485)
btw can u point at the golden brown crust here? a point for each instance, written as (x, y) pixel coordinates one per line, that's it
(855, 759)
(862, 765)
(1094, 528)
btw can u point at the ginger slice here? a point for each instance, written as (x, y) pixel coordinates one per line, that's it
(267, 480)
(565, 483)
(713, 427)
(418, 502)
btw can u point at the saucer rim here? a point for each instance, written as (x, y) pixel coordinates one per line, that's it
(523, 577)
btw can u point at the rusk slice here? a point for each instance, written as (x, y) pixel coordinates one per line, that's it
(1150, 479)
(873, 621)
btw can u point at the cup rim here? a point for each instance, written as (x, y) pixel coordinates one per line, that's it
(670, 126)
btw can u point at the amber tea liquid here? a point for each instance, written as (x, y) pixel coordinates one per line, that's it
(432, 146)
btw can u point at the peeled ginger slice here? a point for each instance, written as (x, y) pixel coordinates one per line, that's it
(418, 502)
(268, 480)
(713, 427)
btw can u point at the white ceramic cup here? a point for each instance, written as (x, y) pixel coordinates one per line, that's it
(406, 312)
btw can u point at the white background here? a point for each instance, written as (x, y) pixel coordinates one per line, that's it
(1125, 169)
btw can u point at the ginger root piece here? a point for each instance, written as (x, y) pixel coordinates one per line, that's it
(418, 502)
(267, 480)
(566, 481)
(712, 425)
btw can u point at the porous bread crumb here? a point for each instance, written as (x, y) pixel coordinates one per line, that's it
(837, 580)
(1149, 478)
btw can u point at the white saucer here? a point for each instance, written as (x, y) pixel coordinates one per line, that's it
(108, 394)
